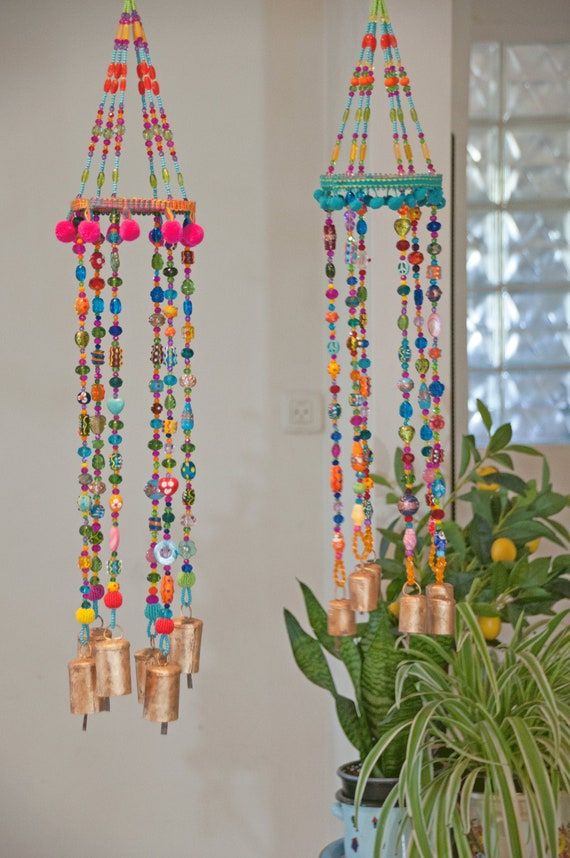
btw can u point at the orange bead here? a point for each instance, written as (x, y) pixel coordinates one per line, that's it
(81, 306)
(332, 317)
(98, 392)
(404, 80)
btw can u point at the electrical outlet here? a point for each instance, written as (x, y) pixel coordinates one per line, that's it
(301, 411)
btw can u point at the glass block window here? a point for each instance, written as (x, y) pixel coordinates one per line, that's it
(518, 258)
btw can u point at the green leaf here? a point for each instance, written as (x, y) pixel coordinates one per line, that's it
(500, 438)
(533, 760)
(524, 449)
(524, 531)
(467, 447)
(355, 728)
(455, 538)
(485, 415)
(508, 481)
(380, 480)
(546, 485)
(550, 503)
(503, 459)
(480, 535)
(379, 673)
(399, 467)
(309, 655)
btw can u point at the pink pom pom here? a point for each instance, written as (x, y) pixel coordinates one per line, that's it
(129, 230)
(89, 231)
(172, 231)
(192, 234)
(65, 231)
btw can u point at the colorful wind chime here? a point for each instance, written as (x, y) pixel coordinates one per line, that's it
(409, 194)
(102, 667)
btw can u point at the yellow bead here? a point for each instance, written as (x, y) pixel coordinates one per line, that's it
(425, 151)
(85, 615)
(363, 151)
(113, 586)
(357, 515)
(170, 311)
(408, 151)
(353, 151)
(84, 562)
(165, 174)
(397, 152)
(85, 175)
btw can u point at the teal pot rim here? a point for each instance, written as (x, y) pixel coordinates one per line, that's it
(376, 790)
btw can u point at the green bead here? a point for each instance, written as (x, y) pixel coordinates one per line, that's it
(98, 461)
(169, 463)
(187, 447)
(157, 262)
(366, 434)
(98, 332)
(402, 322)
(115, 479)
(353, 323)
(152, 180)
(330, 270)
(115, 175)
(362, 294)
(165, 175)
(82, 370)
(170, 402)
(100, 180)
(406, 433)
(188, 497)
(186, 579)
(403, 290)
(115, 382)
(115, 425)
(180, 179)
(85, 530)
(414, 114)
(422, 365)
(170, 271)
(168, 517)
(115, 281)
(96, 563)
(187, 287)
(155, 445)
(96, 538)
(85, 175)
(98, 444)
(153, 577)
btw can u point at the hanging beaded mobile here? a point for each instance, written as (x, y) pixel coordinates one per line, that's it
(102, 667)
(406, 193)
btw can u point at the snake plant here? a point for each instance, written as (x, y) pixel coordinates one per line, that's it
(495, 721)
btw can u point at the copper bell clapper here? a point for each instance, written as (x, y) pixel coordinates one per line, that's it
(162, 693)
(113, 667)
(364, 587)
(83, 697)
(143, 657)
(440, 609)
(186, 641)
(341, 618)
(413, 620)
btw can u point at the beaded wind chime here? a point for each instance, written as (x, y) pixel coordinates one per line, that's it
(96, 227)
(409, 194)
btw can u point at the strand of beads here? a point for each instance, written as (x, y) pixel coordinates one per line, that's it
(153, 610)
(115, 405)
(334, 409)
(85, 614)
(408, 504)
(97, 420)
(435, 482)
(357, 345)
(187, 546)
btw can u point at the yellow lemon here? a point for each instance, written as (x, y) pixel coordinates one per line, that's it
(503, 550)
(394, 608)
(490, 626)
(533, 545)
(485, 472)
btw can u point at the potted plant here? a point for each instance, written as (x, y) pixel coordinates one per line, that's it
(491, 565)
(488, 750)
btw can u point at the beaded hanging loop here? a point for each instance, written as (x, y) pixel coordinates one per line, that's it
(408, 193)
(105, 222)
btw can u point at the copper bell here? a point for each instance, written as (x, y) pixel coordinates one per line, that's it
(186, 640)
(364, 586)
(83, 698)
(162, 693)
(113, 665)
(96, 635)
(341, 619)
(440, 609)
(412, 613)
(142, 659)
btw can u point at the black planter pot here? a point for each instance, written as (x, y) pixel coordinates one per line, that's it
(376, 790)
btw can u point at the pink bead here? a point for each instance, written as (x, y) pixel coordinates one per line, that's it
(192, 234)
(410, 539)
(129, 230)
(172, 231)
(89, 231)
(114, 539)
(65, 231)
(434, 324)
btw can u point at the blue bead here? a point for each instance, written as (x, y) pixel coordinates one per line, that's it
(156, 423)
(80, 272)
(338, 519)
(438, 488)
(421, 342)
(426, 433)
(317, 195)
(434, 226)
(337, 203)
(333, 347)
(394, 203)
(84, 451)
(170, 294)
(156, 235)
(406, 409)
(170, 380)
(352, 281)
(115, 439)
(376, 202)
(362, 227)
(97, 305)
(115, 330)
(156, 386)
(187, 424)
(436, 388)
(364, 363)
(187, 307)
(356, 204)
(410, 199)
(157, 294)
(336, 436)
(115, 306)
(418, 297)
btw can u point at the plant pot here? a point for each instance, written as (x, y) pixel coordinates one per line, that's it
(361, 843)
(504, 849)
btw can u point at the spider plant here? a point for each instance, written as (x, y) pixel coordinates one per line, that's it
(493, 721)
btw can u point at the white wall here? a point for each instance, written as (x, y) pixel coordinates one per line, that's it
(249, 768)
